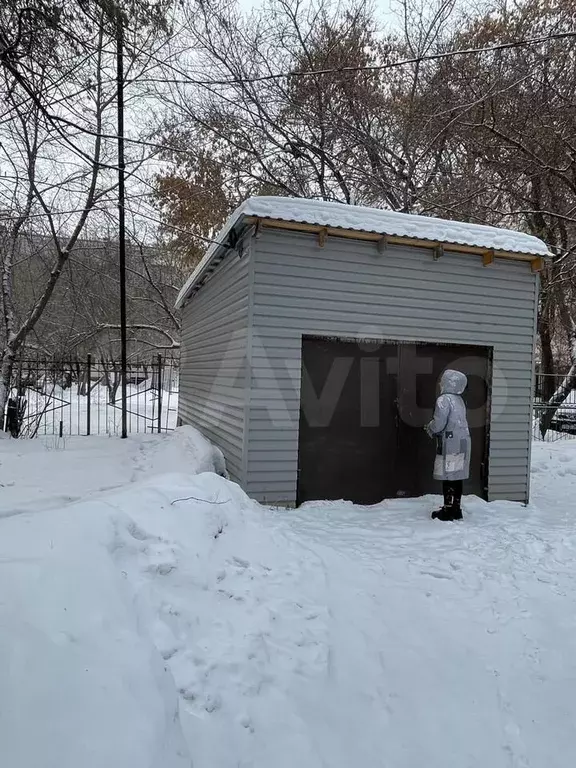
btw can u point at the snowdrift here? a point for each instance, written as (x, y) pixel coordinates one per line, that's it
(151, 615)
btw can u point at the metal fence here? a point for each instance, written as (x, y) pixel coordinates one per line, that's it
(83, 397)
(562, 420)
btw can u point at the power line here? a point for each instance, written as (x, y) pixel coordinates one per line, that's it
(174, 228)
(54, 118)
(363, 68)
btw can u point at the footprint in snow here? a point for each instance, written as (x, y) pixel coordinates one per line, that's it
(213, 703)
(169, 653)
(246, 722)
(162, 569)
(136, 532)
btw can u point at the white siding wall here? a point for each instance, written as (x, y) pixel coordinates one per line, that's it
(348, 289)
(213, 361)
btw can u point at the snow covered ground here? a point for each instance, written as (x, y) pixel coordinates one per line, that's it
(152, 616)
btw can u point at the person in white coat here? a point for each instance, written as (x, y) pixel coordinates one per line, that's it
(450, 428)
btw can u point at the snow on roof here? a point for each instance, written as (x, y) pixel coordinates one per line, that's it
(374, 220)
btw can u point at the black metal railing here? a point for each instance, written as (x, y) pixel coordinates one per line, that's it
(82, 397)
(558, 421)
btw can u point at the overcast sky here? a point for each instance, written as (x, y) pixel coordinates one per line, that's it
(383, 6)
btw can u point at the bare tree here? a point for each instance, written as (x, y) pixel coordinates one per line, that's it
(36, 189)
(351, 136)
(272, 135)
(58, 146)
(83, 317)
(515, 122)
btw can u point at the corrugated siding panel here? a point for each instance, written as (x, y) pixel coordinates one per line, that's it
(347, 289)
(213, 368)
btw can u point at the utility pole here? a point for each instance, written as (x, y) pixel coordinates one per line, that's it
(121, 213)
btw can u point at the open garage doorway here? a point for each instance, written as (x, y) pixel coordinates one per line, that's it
(362, 411)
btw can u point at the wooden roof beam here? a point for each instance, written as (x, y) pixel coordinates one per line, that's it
(382, 244)
(376, 237)
(438, 251)
(488, 258)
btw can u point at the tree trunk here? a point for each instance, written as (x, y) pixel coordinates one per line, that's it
(547, 382)
(5, 378)
(83, 384)
(112, 380)
(114, 388)
(546, 316)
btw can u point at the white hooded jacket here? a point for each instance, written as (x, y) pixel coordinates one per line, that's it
(451, 426)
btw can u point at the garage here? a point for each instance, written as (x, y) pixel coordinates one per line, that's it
(314, 335)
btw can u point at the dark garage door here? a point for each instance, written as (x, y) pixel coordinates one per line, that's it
(363, 406)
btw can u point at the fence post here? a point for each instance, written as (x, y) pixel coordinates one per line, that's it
(88, 403)
(159, 393)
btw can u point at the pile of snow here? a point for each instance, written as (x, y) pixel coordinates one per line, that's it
(51, 472)
(171, 620)
(80, 682)
(361, 218)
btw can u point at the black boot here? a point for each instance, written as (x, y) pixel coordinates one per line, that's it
(448, 514)
(452, 509)
(457, 512)
(448, 493)
(457, 502)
